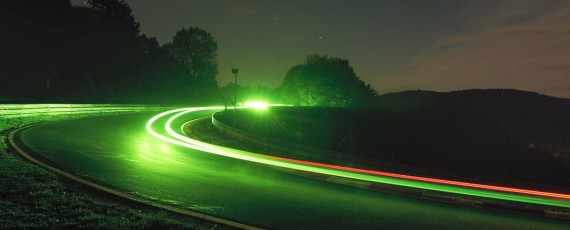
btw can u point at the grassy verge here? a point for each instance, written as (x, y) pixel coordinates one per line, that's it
(32, 197)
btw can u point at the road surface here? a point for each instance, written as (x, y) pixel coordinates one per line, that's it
(117, 151)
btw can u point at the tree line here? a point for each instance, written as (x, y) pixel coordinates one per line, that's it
(52, 52)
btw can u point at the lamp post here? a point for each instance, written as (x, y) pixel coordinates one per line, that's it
(235, 72)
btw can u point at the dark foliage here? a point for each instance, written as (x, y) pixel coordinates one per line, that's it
(54, 52)
(197, 49)
(505, 134)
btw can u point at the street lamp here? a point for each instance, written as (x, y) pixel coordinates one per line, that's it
(235, 72)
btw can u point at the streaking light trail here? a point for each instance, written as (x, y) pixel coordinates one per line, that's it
(457, 187)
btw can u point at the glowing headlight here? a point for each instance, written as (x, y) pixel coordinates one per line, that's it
(256, 105)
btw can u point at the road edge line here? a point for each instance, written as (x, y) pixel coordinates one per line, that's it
(14, 146)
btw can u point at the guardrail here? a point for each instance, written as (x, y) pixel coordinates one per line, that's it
(294, 150)
(304, 152)
(312, 153)
(18, 110)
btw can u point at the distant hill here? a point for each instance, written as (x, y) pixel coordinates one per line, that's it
(508, 134)
(498, 134)
(408, 100)
(541, 122)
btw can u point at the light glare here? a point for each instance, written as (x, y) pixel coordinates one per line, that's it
(257, 105)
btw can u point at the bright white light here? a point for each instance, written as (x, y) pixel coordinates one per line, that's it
(257, 105)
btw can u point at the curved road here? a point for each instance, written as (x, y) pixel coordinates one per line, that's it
(119, 152)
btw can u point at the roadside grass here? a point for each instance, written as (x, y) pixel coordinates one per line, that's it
(32, 197)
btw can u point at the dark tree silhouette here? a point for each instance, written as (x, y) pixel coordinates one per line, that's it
(113, 45)
(54, 52)
(197, 49)
(31, 43)
(326, 81)
(116, 15)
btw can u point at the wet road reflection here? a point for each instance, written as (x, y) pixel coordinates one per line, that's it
(117, 151)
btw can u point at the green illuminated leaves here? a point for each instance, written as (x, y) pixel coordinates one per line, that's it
(326, 81)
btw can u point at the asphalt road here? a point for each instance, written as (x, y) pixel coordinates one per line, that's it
(118, 152)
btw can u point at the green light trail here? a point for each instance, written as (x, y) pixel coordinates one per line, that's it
(511, 194)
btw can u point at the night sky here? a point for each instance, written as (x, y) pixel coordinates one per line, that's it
(393, 45)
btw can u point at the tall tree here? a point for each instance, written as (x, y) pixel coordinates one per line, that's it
(326, 81)
(197, 49)
(116, 16)
(113, 43)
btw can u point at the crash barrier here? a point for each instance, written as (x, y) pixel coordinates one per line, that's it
(18, 110)
(275, 144)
